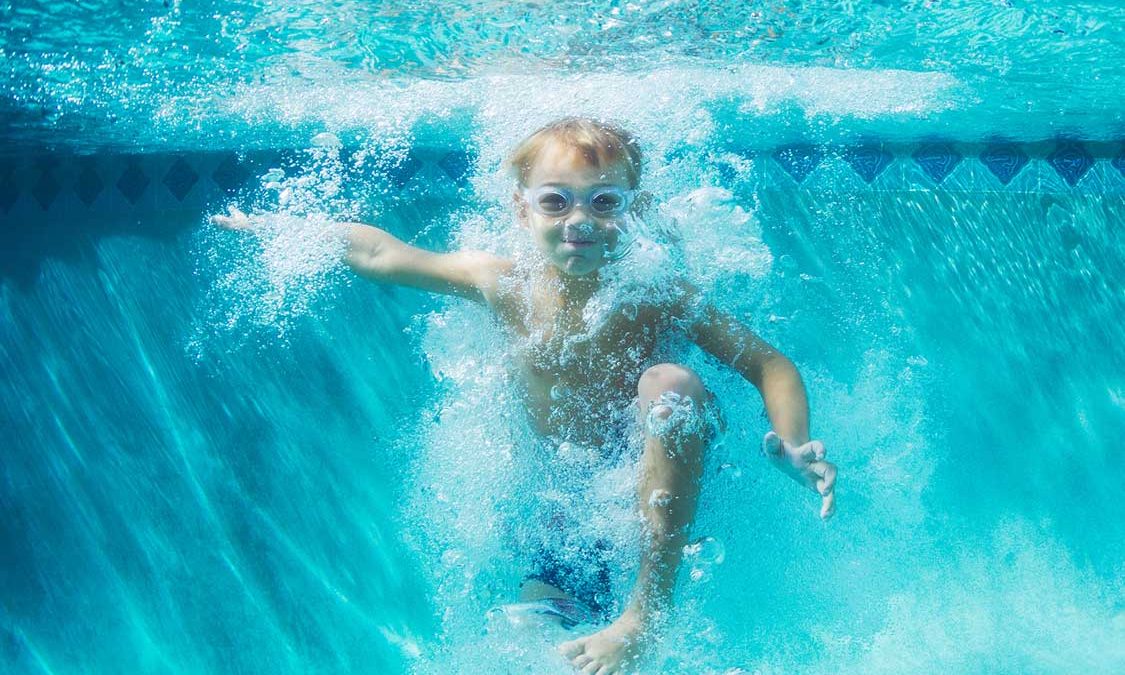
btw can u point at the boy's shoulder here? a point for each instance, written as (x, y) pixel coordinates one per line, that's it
(486, 269)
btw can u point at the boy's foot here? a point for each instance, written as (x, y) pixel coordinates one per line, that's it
(566, 612)
(611, 650)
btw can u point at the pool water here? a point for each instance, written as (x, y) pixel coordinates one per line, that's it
(226, 454)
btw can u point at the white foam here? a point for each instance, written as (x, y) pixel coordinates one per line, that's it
(668, 106)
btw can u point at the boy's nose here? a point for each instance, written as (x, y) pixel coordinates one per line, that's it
(579, 216)
(582, 226)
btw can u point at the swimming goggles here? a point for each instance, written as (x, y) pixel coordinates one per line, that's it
(559, 201)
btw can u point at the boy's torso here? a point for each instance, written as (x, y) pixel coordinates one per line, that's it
(578, 380)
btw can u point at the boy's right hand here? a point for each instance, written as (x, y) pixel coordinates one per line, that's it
(806, 465)
(236, 221)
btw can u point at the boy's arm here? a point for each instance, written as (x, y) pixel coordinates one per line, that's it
(770, 371)
(378, 255)
(788, 446)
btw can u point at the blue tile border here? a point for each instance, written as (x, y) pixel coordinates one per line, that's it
(799, 160)
(230, 174)
(9, 193)
(133, 181)
(35, 186)
(457, 164)
(89, 183)
(180, 179)
(868, 161)
(46, 189)
(1004, 160)
(1071, 161)
(938, 160)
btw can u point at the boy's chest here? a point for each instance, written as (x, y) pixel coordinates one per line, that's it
(561, 346)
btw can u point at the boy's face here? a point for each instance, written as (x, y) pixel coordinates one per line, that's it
(575, 242)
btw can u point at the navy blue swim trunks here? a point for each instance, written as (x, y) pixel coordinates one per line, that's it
(584, 576)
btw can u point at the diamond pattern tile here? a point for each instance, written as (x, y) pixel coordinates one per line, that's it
(456, 165)
(799, 160)
(180, 178)
(402, 173)
(46, 180)
(1119, 162)
(727, 173)
(46, 189)
(9, 193)
(229, 175)
(868, 161)
(1071, 161)
(1004, 160)
(937, 159)
(133, 182)
(89, 183)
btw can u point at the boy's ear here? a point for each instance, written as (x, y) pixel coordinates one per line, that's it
(521, 207)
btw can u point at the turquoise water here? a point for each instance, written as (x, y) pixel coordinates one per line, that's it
(227, 455)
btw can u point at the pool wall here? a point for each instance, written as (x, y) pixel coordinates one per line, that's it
(236, 508)
(124, 191)
(52, 185)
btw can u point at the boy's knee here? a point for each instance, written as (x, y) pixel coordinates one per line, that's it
(672, 399)
(670, 377)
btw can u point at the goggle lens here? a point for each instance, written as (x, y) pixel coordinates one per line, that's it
(558, 202)
(607, 202)
(553, 203)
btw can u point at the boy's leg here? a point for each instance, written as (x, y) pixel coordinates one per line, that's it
(549, 603)
(676, 434)
(536, 589)
(671, 401)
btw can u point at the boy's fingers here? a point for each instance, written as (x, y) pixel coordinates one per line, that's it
(813, 451)
(828, 506)
(237, 220)
(225, 221)
(571, 649)
(827, 482)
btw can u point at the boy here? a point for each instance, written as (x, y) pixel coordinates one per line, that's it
(577, 179)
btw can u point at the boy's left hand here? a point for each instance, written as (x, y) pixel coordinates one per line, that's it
(806, 465)
(237, 220)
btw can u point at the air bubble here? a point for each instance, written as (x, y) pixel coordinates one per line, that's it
(730, 470)
(326, 140)
(559, 392)
(660, 498)
(657, 420)
(705, 552)
(452, 558)
(672, 411)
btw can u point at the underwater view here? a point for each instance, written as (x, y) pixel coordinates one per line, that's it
(470, 336)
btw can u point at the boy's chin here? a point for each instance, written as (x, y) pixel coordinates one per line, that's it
(579, 267)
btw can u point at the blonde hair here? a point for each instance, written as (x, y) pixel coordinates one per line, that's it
(600, 143)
